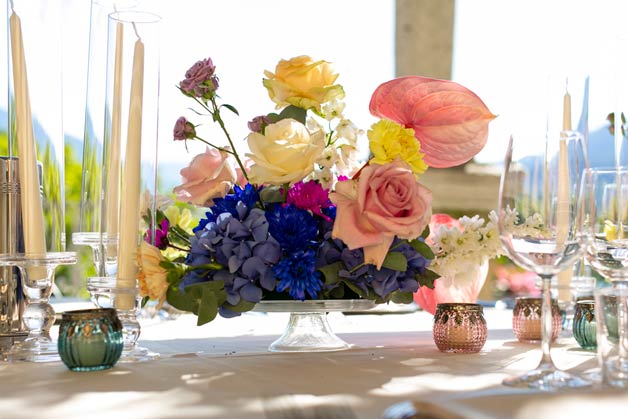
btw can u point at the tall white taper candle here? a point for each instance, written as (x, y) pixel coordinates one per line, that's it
(113, 165)
(32, 212)
(562, 210)
(130, 197)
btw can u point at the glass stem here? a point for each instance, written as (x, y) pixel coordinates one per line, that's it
(546, 322)
(622, 321)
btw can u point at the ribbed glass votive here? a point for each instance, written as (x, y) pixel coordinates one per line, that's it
(526, 319)
(459, 327)
(90, 340)
(584, 325)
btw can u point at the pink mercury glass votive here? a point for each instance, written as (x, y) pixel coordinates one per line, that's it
(459, 327)
(526, 319)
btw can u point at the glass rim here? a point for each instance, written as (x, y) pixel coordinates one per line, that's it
(531, 298)
(606, 169)
(88, 313)
(134, 16)
(459, 306)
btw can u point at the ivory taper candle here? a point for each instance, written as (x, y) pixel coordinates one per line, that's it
(113, 164)
(562, 210)
(130, 197)
(32, 212)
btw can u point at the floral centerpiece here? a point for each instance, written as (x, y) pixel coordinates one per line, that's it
(299, 216)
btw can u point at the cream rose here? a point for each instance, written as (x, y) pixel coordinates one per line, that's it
(210, 175)
(385, 202)
(285, 153)
(302, 82)
(151, 278)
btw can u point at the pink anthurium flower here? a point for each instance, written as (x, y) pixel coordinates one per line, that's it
(449, 120)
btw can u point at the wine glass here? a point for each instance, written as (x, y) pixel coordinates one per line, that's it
(604, 218)
(537, 219)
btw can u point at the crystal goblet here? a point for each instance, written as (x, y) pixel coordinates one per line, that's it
(536, 226)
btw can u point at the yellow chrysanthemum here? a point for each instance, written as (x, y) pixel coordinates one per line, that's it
(182, 218)
(610, 231)
(388, 141)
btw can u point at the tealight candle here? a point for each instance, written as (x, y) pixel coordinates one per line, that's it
(459, 327)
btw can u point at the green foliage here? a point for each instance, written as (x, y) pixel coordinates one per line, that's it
(294, 112)
(423, 249)
(395, 261)
(202, 299)
(427, 279)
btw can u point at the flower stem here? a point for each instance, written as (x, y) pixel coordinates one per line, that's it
(174, 246)
(217, 118)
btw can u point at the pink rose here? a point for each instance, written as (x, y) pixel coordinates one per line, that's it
(210, 175)
(386, 201)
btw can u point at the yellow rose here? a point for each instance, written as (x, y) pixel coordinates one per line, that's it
(302, 82)
(152, 278)
(388, 141)
(285, 153)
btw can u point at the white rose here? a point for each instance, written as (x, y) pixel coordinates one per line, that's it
(285, 153)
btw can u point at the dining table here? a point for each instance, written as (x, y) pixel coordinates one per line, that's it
(224, 369)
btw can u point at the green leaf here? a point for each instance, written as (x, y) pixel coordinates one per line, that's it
(273, 117)
(179, 300)
(330, 272)
(357, 289)
(145, 300)
(216, 285)
(207, 308)
(272, 194)
(426, 232)
(401, 297)
(293, 112)
(395, 261)
(427, 279)
(337, 293)
(241, 307)
(422, 248)
(231, 108)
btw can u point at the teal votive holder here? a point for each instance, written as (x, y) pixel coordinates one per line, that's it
(584, 325)
(90, 340)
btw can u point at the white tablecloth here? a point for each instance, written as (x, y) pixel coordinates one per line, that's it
(223, 370)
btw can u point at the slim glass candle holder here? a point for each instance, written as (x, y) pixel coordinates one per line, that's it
(127, 208)
(96, 137)
(36, 139)
(106, 294)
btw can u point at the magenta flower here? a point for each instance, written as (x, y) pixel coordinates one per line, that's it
(161, 235)
(183, 130)
(309, 196)
(200, 80)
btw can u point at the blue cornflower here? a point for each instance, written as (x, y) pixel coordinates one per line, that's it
(238, 204)
(295, 229)
(297, 273)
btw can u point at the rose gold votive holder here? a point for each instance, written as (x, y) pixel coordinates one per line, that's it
(459, 327)
(526, 319)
